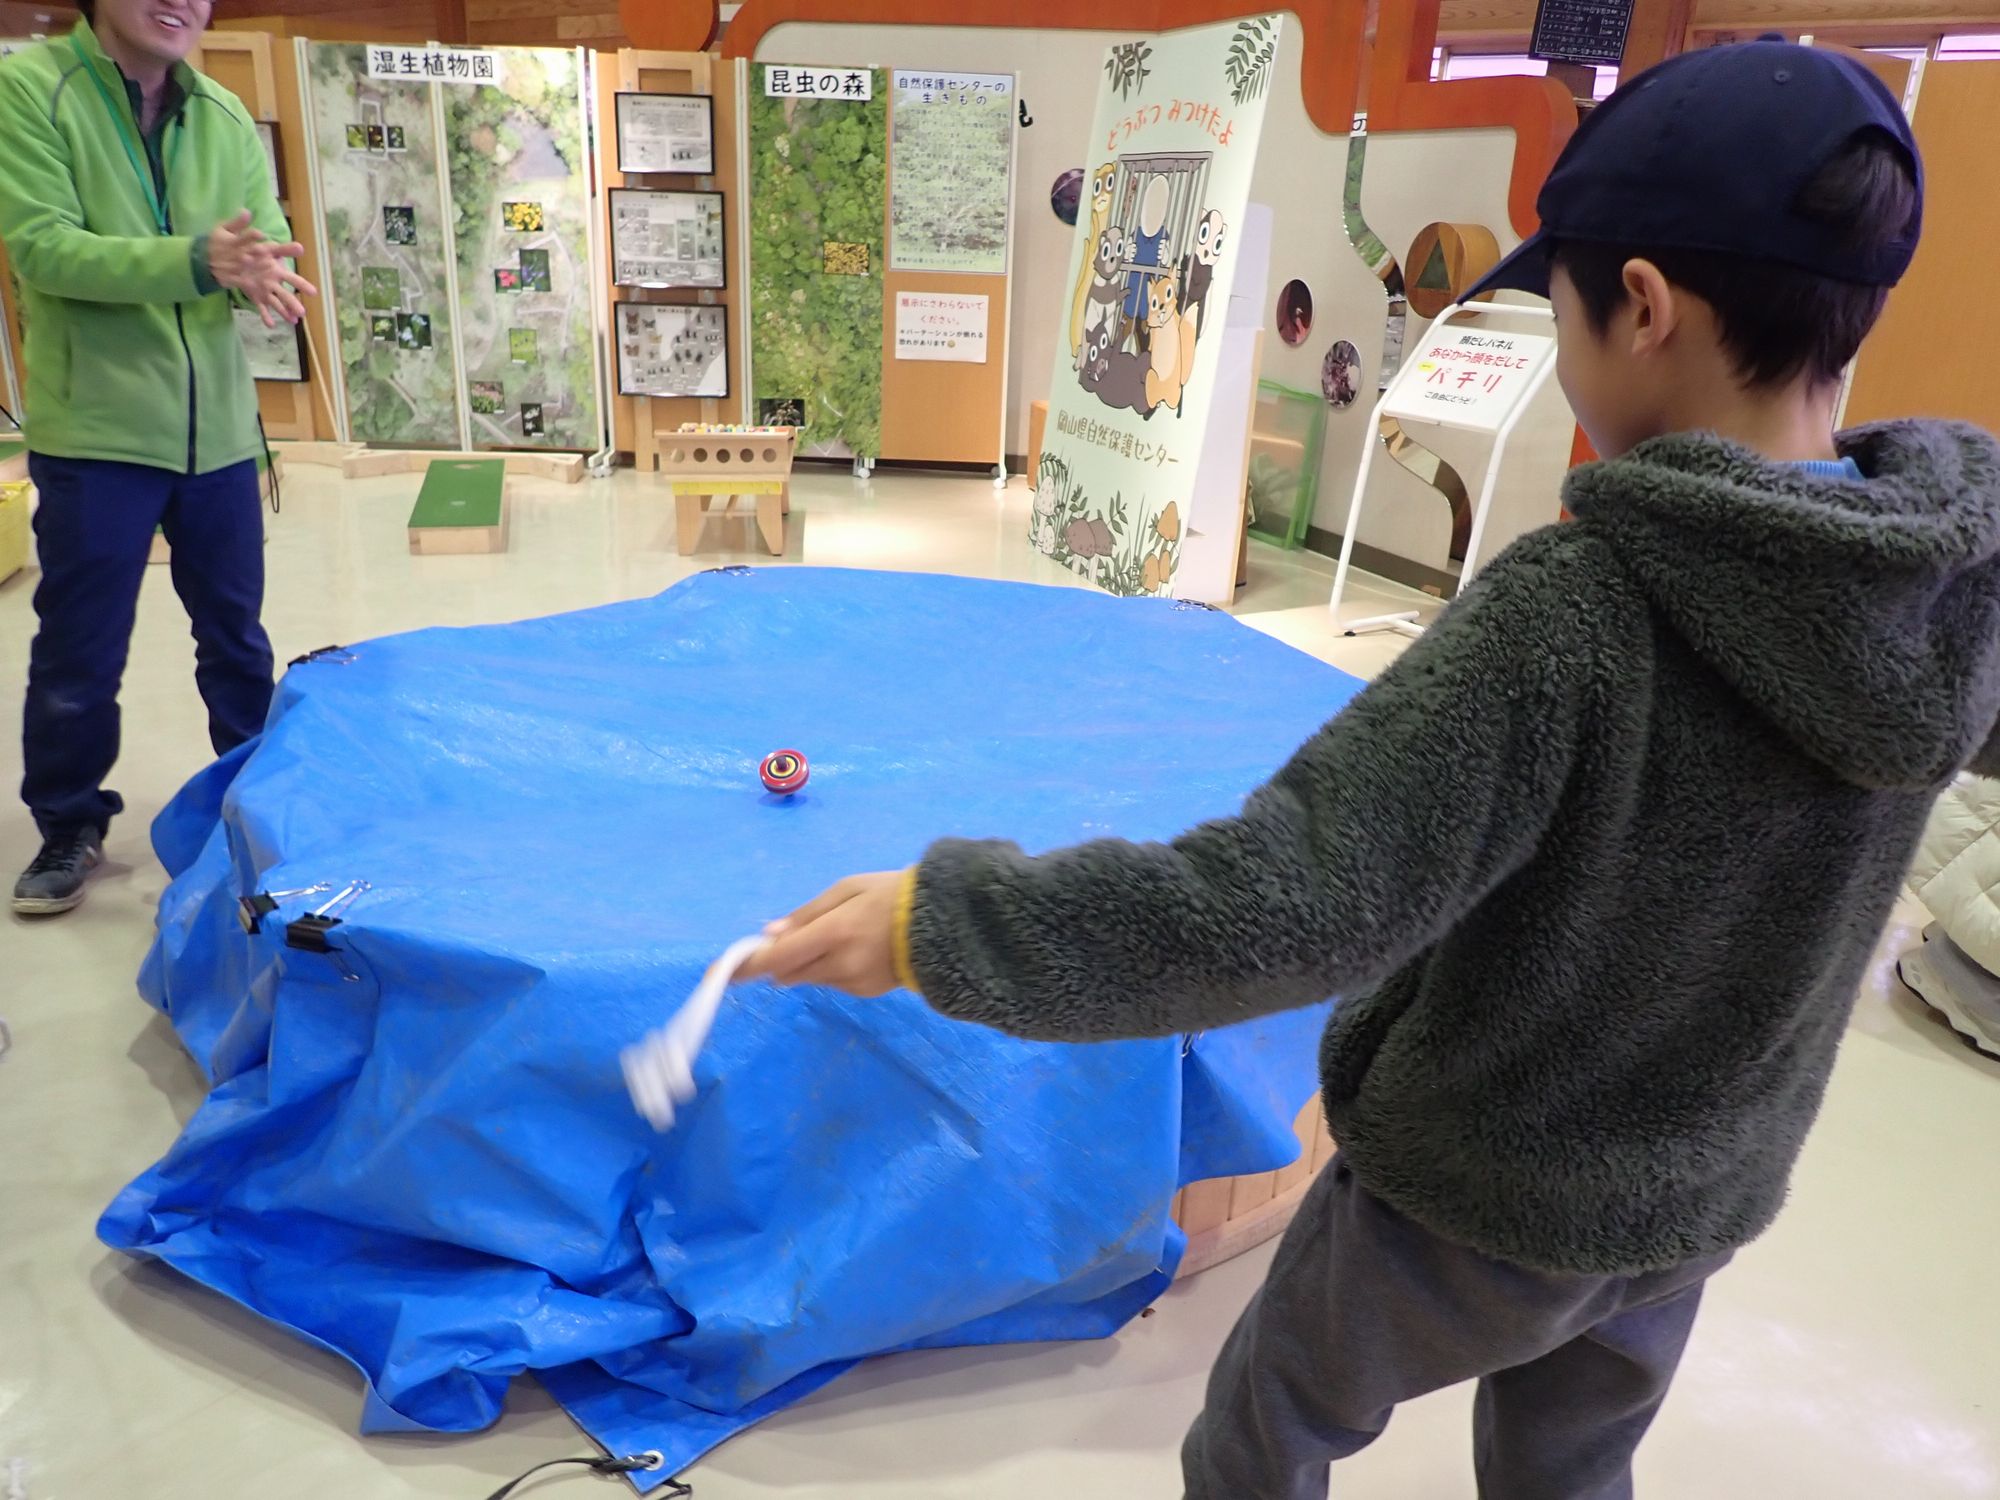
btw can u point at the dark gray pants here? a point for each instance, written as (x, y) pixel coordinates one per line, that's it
(1364, 1309)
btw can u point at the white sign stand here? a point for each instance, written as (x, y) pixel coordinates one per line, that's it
(1470, 379)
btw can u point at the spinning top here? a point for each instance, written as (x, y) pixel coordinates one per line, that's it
(784, 772)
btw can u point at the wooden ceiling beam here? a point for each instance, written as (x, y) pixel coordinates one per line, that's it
(1465, 19)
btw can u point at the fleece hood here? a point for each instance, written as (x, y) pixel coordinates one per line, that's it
(1860, 617)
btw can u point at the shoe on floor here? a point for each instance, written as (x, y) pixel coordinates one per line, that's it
(54, 882)
(1963, 994)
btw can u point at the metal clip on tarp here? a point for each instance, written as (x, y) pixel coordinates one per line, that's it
(308, 933)
(251, 910)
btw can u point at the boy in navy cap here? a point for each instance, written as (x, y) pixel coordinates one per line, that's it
(1597, 865)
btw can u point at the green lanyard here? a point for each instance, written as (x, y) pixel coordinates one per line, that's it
(133, 151)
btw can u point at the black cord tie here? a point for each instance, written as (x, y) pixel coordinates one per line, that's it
(634, 1463)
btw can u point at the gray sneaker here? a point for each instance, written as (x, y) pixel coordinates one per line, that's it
(1963, 994)
(54, 882)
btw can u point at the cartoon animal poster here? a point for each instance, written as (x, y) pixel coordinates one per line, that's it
(1170, 158)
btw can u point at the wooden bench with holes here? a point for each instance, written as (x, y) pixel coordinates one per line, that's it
(462, 508)
(706, 462)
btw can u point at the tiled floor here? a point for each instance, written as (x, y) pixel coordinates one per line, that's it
(1854, 1354)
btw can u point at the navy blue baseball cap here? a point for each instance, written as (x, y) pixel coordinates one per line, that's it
(1710, 151)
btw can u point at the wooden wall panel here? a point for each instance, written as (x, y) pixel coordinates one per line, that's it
(339, 20)
(545, 23)
(597, 23)
(1512, 20)
(17, 19)
(1922, 360)
(1659, 30)
(1893, 71)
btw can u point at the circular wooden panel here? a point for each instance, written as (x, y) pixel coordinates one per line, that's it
(1444, 260)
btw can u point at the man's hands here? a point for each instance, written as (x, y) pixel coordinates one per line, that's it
(242, 260)
(844, 940)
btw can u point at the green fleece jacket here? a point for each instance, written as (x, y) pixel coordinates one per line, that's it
(127, 359)
(1596, 866)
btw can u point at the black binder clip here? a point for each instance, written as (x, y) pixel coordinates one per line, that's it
(251, 910)
(308, 933)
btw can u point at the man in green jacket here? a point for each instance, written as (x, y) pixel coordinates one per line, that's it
(141, 410)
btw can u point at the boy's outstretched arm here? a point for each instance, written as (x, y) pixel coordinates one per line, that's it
(1434, 786)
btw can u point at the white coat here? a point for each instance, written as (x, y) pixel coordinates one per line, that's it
(1957, 869)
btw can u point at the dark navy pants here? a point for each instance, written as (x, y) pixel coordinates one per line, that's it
(1365, 1309)
(93, 529)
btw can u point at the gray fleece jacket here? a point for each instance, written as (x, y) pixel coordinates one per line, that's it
(1596, 865)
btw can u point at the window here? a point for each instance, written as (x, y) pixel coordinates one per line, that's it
(1506, 65)
(1973, 48)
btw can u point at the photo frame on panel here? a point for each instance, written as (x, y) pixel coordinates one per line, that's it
(267, 132)
(671, 133)
(666, 239)
(670, 349)
(274, 353)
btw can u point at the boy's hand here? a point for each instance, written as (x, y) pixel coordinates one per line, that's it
(844, 940)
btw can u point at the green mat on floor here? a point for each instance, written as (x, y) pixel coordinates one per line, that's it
(461, 492)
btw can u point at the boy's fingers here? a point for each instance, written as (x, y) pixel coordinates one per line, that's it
(828, 900)
(758, 964)
(811, 955)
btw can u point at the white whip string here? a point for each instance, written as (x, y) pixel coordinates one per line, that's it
(659, 1071)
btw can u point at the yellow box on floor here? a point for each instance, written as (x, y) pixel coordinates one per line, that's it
(14, 527)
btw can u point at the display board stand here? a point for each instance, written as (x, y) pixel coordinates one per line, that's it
(640, 423)
(936, 412)
(1467, 378)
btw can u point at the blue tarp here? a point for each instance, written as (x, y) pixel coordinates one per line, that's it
(418, 1152)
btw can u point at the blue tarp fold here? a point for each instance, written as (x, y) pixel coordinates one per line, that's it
(417, 1151)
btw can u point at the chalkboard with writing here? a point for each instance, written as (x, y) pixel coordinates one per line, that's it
(1581, 31)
